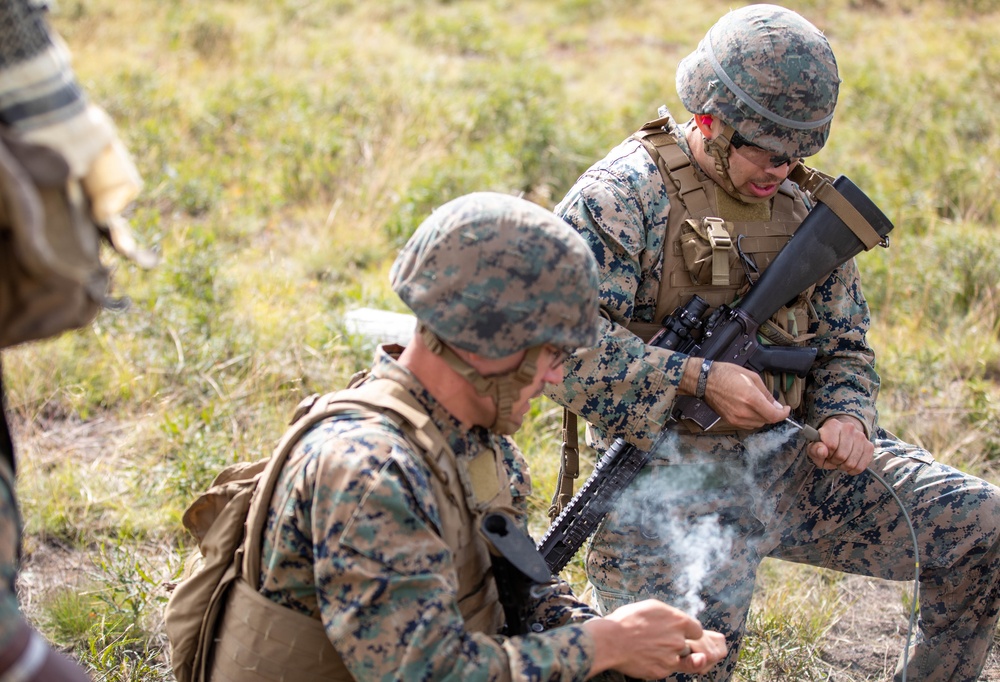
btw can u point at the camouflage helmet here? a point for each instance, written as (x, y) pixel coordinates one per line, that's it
(768, 73)
(494, 275)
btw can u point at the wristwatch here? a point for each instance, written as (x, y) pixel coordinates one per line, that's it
(699, 393)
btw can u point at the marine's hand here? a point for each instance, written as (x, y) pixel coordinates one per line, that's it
(739, 396)
(843, 445)
(647, 639)
(706, 651)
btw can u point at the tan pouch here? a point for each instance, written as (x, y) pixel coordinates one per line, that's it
(216, 519)
(789, 327)
(706, 245)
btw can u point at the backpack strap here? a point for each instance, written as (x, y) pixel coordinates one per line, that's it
(375, 394)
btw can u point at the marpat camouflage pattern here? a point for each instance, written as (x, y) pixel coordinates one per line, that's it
(353, 538)
(759, 493)
(518, 291)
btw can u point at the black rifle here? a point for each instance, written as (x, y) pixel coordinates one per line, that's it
(520, 571)
(821, 244)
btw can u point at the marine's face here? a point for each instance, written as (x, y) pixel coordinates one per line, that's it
(548, 370)
(755, 173)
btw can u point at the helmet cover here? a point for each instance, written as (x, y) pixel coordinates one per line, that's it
(494, 275)
(768, 73)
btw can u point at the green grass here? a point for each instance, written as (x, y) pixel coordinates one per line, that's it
(289, 148)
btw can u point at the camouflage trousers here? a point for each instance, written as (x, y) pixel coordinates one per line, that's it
(694, 526)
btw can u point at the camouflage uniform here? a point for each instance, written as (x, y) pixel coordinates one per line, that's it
(695, 524)
(358, 535)
(761, 494)
(38, 91)
(385, 589)
(10, 536)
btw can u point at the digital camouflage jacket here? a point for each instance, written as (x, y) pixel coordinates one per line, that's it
(625, 388)
(353, 538)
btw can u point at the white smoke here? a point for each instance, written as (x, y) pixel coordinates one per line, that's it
(666, 509)
(702, 544)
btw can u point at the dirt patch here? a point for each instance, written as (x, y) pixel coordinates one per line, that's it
(49, 567)
(867, 640)
(52, 437)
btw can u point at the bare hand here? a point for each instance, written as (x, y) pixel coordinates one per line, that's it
(706, 651)
(739, 396)
(843, 445)
(650, 639)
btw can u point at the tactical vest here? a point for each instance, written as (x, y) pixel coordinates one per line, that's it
(259, 640)
(708, 249)
(711, 244)
(714, 246)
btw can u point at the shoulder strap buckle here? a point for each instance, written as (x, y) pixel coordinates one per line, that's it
(721, 243)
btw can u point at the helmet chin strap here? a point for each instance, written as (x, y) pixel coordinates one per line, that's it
(719, 148)
(503, 388)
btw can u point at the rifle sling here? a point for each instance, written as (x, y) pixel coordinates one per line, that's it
(822, 189)
(569, 465)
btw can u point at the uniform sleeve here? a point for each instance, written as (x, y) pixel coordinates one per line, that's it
(622, 386)
(843, 379)
(387, 593)
(37, 85)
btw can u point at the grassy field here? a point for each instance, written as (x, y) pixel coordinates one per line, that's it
(290, 147)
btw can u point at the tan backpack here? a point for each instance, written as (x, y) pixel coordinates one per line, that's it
(217, 520)
(51, 275)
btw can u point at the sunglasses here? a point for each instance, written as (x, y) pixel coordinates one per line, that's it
(758, 155)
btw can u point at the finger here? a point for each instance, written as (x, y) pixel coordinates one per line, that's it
(693, 663)
(837, 448)
(692, 631)
(849, 453)
(858, 463)
(839, 455)
(854, 467)
(818, 452)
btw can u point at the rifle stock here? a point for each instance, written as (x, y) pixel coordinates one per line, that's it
(821, 244)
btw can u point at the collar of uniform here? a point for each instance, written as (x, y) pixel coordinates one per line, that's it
(462, 441)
